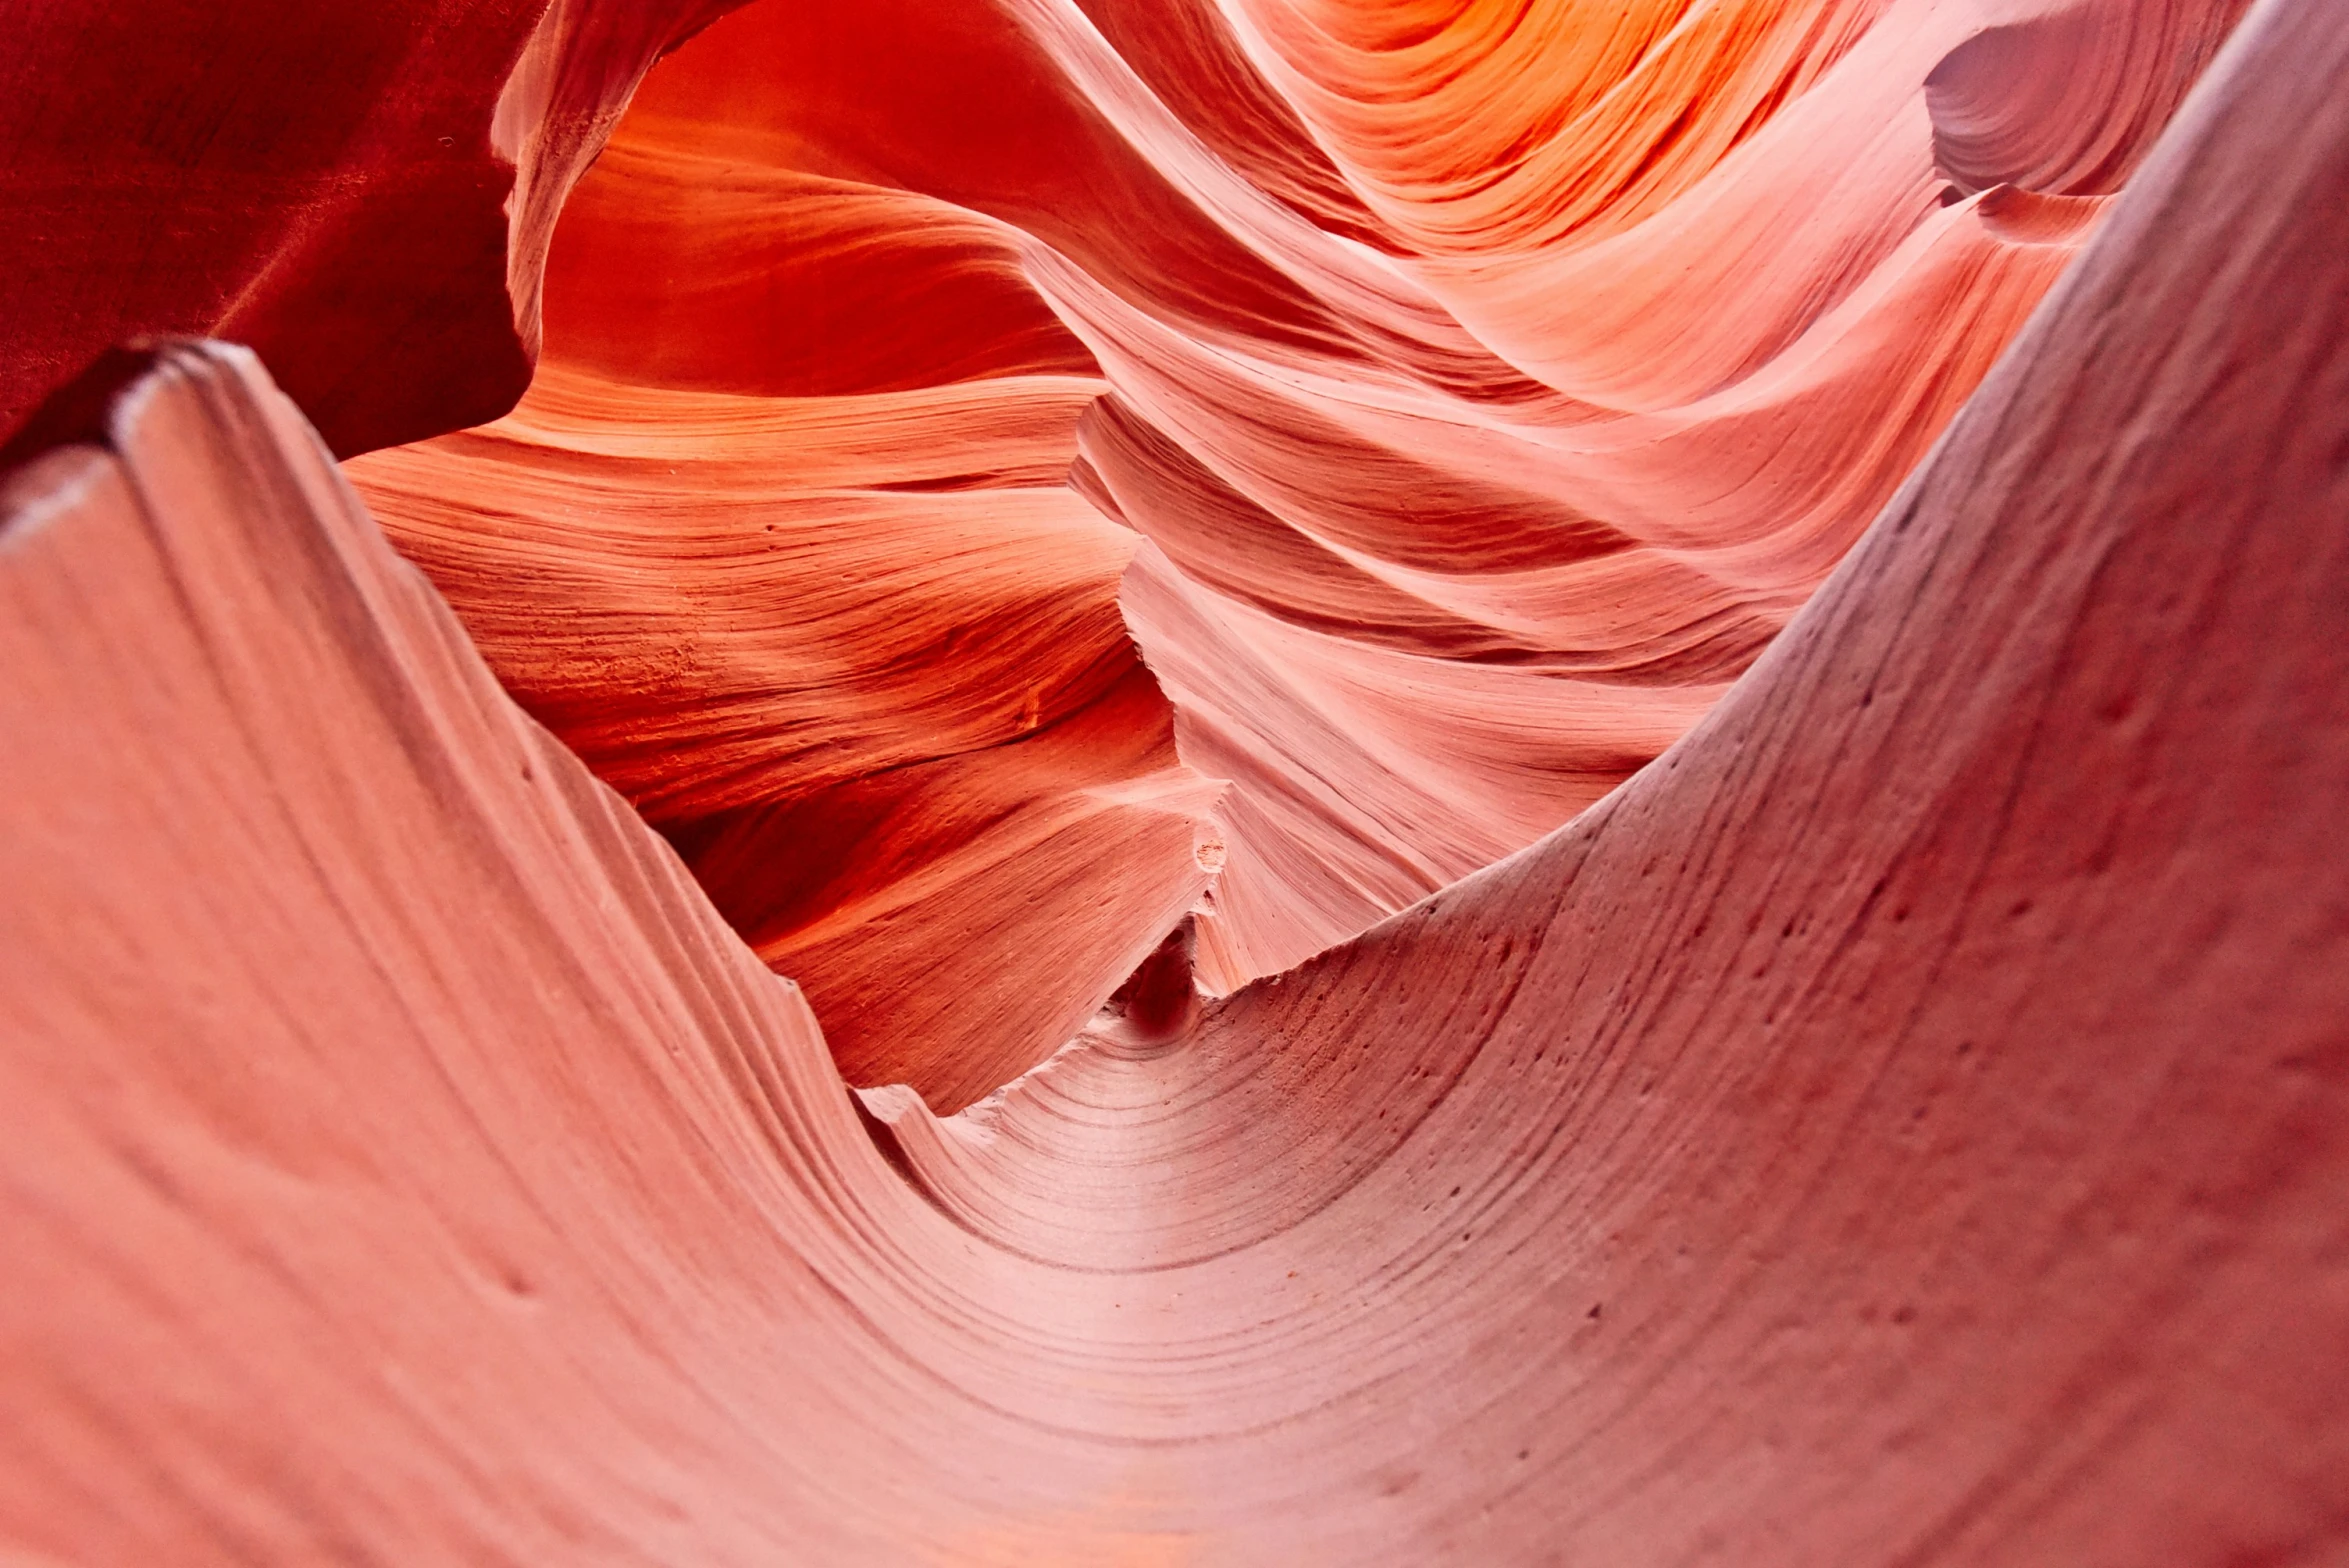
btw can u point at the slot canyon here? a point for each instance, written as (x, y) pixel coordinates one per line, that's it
(1175, 782)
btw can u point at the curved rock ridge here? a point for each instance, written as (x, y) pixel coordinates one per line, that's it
(2068, 101)
(1905, 1124)
(861, 659)
(1474, 392)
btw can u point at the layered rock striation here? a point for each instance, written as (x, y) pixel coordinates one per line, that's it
(1904, 1122)
(1460, 408)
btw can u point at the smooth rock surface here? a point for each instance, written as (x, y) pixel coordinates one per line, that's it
(1906, 1124)
(1480, 401)
(363, 193)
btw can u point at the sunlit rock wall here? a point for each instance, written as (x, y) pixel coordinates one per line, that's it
(1483, 392)
(1137, 537)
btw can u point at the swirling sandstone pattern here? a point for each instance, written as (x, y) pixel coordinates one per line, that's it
(1459, 493)
(1906, 1123)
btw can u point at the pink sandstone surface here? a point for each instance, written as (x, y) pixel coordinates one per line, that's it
(1433, 510)
(1665, 919)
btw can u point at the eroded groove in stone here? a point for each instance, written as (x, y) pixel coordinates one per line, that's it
(1477, 407)
(1904, 1124)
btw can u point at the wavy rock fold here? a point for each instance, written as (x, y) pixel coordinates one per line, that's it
(1479, 859)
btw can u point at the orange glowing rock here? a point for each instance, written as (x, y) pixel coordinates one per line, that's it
(1483, 407)
(1442, 784)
